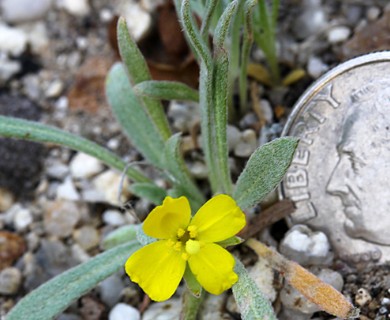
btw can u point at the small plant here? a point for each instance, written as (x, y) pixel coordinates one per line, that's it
(172, 244)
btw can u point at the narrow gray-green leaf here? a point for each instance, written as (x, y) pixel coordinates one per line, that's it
(142, 237)
(224, 24)
(252, 303)
(131, 115)
(34, 131)
(166, 90)
(149, 191)
(57, 294)
(233, 241)
(263, 171)
(138, 71)
(119, 236)
(179, 173)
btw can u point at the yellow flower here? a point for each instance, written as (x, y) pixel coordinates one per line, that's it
(159, 267)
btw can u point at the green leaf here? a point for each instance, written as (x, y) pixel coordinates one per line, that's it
(142, 237)
(54, 296)
(34, 131)
(179, 174)
(252, 303)
(119, 236)
(149, 191)
(131, 115)
(263, 171)
(233, 241)
(192, 284)
(138, 71)
(166, 90)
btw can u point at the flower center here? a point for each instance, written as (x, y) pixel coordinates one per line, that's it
(186, 239)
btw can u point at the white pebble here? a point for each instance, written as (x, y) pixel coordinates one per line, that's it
(10, 281)
(305, 246)
(8, 68)
(78, 8)
(338, 34)
(67, 190)
(362, 297)
(123, 311)
(54, 89)
(316, 67)
(113, 218)
(138, 20)
(373, 13)
(24, 10)
(247, 144)
(168, 310)
(22, 219)
(84, 166)
(12, 40)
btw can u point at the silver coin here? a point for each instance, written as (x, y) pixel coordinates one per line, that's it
(339, 179)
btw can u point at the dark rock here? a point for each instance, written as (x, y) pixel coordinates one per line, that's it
(21, 162)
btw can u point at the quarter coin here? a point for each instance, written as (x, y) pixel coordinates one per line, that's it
(339, 179)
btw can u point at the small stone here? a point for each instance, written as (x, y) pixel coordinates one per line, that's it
(247, 144)
(338, 34)
(362, 297)
(198, 170)
(12, 40)
(266, 110)
(91, 309)
(138, 20)
(22, 219)
(54, 89)
(78, 252)
(84, 166)
(106, 188)
(305, 246)
(184, 115)
(110, 290)
(6, 200)
(67, 190)
(61, 217)
(113, 218)
(233, 137)
(10, 281)
(316, 67)
(168, 310)
(87, 237)
(312, 20)
(263, 275)
(123, 311)
(24, 10)
(106, 15)
(12, 247)
(8, 68)
(373, 13)
(37, 37)
(213, 307)
(78, 8)
(57, 170)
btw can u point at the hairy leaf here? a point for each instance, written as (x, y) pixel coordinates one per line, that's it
(149, 191)
(56, 295)
(166, 90)
(263, 171)
(252, 303)
(119, 236)
(34, 131)
(132, 116)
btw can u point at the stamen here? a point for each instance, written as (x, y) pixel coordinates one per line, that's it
(185, 256)
(180, 232)
(193, 231)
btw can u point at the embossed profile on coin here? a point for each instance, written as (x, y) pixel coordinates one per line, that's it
(339, 178)
(361, 177)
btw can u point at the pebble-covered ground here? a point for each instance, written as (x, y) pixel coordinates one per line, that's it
(56, 205)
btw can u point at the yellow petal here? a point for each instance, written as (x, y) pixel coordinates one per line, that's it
(157, 268)
(164, 221)
(218, 219)
(213, 267)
